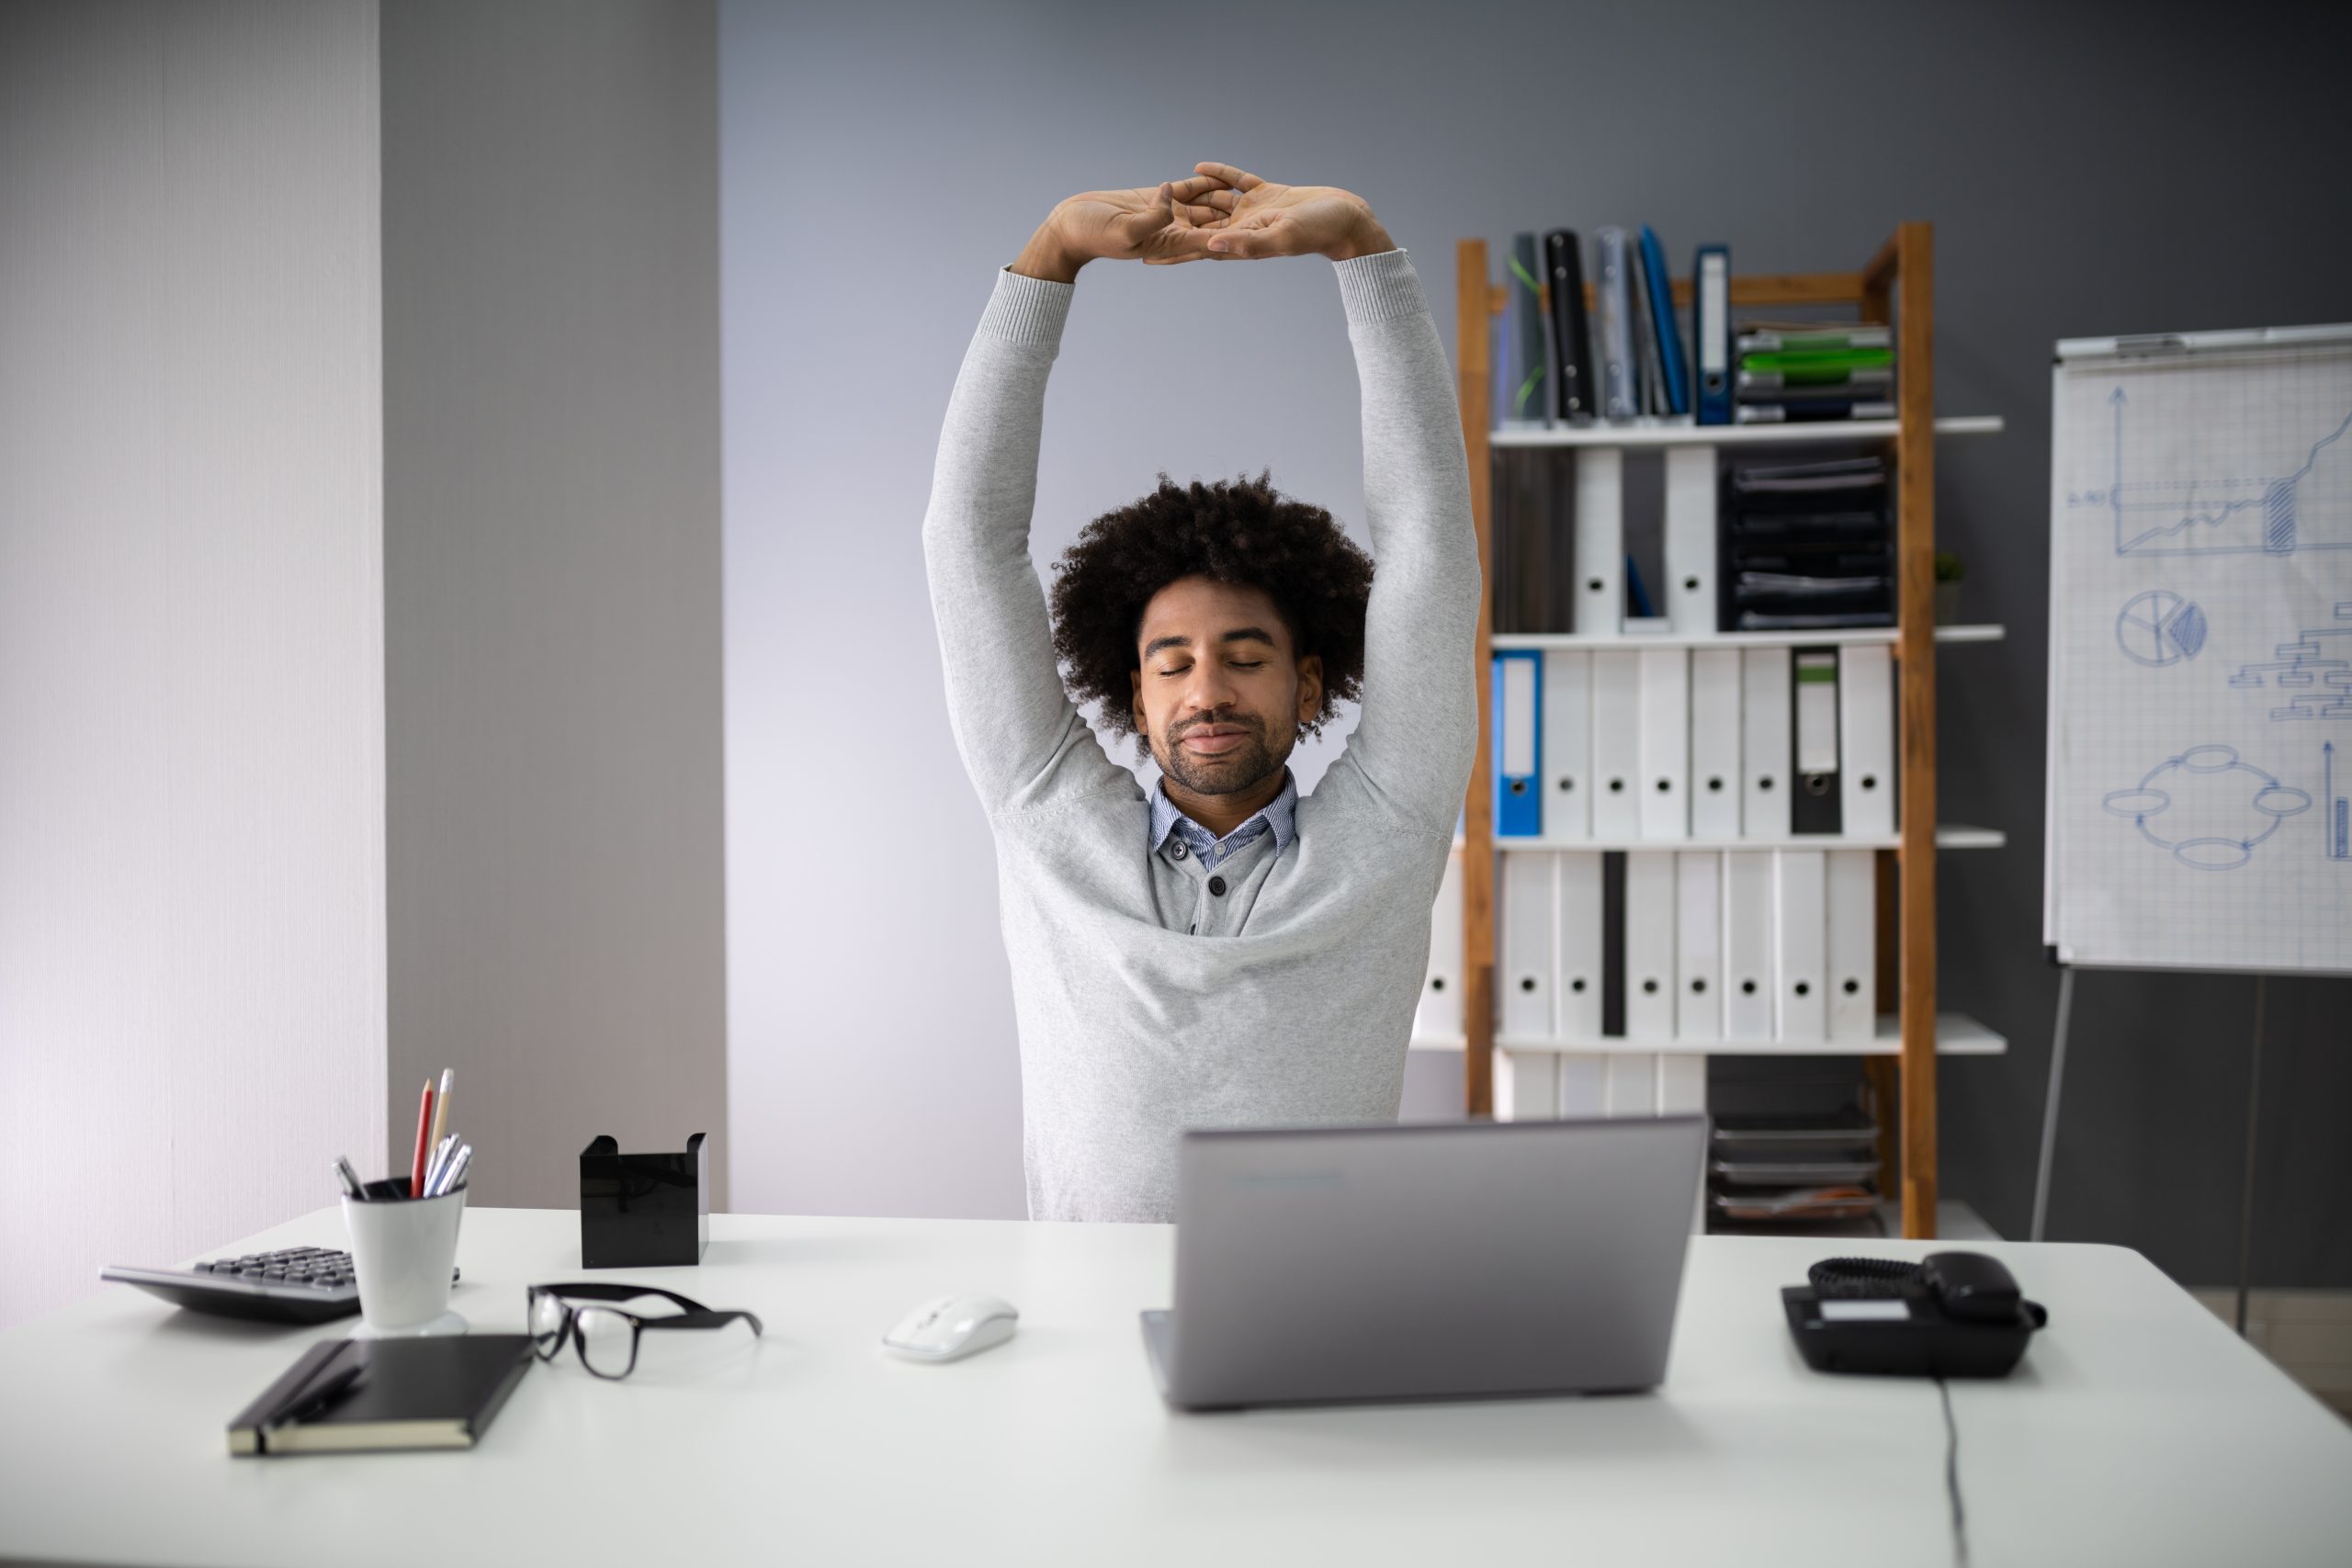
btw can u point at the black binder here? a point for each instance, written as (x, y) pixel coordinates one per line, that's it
(1612, 943)
(1571, 335)
(1816, 806)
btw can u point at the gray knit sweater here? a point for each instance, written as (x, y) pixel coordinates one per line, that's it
(1147, 1001)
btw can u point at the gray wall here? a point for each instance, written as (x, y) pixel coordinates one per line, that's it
(551, 559)
(2083, 176)
(191, 631)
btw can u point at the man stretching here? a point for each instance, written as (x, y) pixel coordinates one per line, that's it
(1223, 952)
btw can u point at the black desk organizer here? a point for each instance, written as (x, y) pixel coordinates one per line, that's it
(643, 1210)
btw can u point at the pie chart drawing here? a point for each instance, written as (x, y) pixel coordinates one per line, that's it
(2160, 627)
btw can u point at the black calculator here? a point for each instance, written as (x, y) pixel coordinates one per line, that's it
(296, 1284)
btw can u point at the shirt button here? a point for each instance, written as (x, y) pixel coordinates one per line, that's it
(1176, 848)
(1217, 886)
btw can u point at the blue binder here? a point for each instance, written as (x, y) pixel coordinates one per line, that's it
(1710, 333)
(1518, 704)
(1669, 336)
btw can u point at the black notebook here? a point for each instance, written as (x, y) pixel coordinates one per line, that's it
(436, 1393)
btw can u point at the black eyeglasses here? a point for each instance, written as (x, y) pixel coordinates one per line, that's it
(606, 1336)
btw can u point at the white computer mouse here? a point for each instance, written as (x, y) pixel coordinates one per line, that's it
(951, 1327)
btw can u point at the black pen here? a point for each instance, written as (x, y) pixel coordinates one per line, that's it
(315, 1398)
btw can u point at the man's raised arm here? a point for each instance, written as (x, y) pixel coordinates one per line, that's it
(1021, 738)
(1417, 737)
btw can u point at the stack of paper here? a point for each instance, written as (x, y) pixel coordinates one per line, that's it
(1781, 1168)
(1809, 544)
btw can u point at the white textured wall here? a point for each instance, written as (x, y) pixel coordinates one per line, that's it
(192, 639)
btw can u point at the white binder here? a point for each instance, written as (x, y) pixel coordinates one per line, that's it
(1714, 744)
(1524, 980)
(1799, 928)
(1866, 737)
(1691, 539)
(1853, 965)
(1649, 945)
(1747, 946)
(1629, 1084)
(1698, 945)
(1616, 753)
(1584, 1086)
(1764, 742)
(1579, 975)
(1600, 541)
(1567, 738)
(1527, 1086)
(1682, 1086)
(1666, 743)
(1439, 1016)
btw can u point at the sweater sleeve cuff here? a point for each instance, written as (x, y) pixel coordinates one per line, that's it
(1027, 310)
(1380, 286)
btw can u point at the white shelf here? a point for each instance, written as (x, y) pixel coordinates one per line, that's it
(1504, 640)
(1681, 431)
(1957, 1035)
(1951, 836)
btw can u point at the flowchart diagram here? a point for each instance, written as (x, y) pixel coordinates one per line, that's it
(2317, 671)
(2208, 807)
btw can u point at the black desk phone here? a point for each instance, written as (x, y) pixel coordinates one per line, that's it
(1955, 1314)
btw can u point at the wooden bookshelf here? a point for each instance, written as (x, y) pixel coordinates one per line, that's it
(1894, 288)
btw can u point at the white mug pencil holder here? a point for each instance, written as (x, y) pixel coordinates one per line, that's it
(403, 1252)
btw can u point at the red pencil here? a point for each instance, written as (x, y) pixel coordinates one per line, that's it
(423, 1143)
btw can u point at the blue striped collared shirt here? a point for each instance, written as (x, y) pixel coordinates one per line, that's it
(1279, 818)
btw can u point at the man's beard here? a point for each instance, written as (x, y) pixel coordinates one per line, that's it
(1228, 772)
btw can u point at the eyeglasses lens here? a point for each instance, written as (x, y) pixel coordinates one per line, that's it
(546, 1325)
(604, 1340)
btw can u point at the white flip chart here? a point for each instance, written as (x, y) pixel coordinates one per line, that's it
(2199, 801)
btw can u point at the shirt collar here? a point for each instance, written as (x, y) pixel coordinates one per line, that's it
(1279, 815)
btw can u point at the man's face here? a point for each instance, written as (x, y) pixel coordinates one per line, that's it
(1220, 694)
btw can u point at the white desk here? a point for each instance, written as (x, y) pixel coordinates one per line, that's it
(2139, 1430)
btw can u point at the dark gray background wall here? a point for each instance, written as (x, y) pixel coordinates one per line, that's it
(551, 564)
(2091, 170)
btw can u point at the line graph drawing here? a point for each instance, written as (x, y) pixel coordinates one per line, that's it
(2320, 671)
(2214, 808)
(2310, 509)
(2336, 837)
(2160, 627)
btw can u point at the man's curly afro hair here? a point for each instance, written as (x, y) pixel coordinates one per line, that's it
(1238, 531)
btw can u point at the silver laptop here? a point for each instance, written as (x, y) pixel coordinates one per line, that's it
(1441, 1260)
